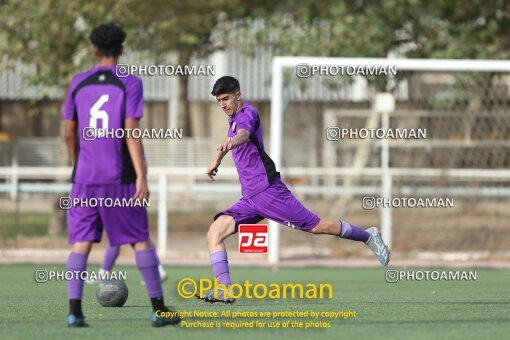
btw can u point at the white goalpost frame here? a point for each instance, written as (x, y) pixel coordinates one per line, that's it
(277, 109)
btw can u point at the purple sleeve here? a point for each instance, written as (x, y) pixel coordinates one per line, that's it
(134, 98)
(247, 121)
(69, 109)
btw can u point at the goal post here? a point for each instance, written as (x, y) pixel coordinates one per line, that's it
(283, 64)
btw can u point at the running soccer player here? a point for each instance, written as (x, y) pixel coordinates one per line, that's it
(110, 168)
(264, 193)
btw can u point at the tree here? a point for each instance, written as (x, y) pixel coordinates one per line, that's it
(411, 28)
(428, 29)
(52, 37)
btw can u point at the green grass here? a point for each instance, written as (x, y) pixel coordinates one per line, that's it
(28, 224)
(34, 224)
(404, 310)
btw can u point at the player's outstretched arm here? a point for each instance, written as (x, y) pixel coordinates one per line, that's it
(212, 169)
(135, 149)
(145, 167)
(71, 127)
(241, 137)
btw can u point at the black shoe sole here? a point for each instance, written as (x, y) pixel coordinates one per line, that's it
(213, 300)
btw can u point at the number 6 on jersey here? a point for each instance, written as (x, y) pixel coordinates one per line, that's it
(96, 113)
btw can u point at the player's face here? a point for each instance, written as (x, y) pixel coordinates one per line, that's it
(229, 102)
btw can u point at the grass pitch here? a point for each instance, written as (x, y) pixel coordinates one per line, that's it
(404, 310)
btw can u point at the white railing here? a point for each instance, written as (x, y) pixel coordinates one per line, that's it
(183, 180)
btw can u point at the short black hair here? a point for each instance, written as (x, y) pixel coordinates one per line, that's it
(226, 84)
(108, 38)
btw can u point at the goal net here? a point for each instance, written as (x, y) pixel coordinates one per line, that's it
(422, 153)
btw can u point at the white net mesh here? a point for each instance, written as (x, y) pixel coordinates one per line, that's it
(463, 158)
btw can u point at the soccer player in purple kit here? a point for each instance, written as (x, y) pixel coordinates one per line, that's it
(108, 168)
(112, 253)
(264, 193)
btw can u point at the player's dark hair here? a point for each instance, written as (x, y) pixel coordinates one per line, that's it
(108, 38)
(226, 84)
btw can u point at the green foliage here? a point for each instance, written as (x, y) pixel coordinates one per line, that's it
(417, 28)
(52, 35)
(408, 28)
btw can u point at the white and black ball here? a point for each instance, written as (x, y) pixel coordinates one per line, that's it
(112, 293)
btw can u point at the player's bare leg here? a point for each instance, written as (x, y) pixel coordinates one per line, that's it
(77, 262)
(329, 227)
(223, 227)
(371, 237)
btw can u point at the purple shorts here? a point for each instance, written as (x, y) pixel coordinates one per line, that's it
(275, 203)
(123, 225)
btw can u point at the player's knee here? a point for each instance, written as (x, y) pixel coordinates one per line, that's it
(212, 235)
(320, 228)
(82, 247)
(315, 230)
(142, 246)
(220, 229)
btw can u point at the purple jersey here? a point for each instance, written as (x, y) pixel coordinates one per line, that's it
(98, 99)
(256, 170)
